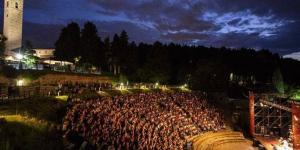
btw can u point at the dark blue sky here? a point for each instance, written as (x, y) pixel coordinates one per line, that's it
(272, 24)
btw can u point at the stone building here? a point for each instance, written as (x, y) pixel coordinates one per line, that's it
(13, 25)
(44, 53)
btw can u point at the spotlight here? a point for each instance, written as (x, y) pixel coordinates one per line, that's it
(20, 82)
(19, 56)
(185, 86)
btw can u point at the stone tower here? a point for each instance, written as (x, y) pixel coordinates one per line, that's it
(13, 24)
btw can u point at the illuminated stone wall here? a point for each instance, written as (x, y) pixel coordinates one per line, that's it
(251, 114)
(57, 78)
(296, 125)
(13, 24)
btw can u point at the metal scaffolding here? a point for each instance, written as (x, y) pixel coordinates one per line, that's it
(272, 115)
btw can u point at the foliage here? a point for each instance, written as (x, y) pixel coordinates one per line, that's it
(18, 132)
(34, 126)
(28, 55)
(91, 46)
(8, 71)
(27, 49)
(278, 81)
(294, 93)
(68, 43)
(210, 76)
(45, 108)
(174, 64)
(123, 79)
(2, 45)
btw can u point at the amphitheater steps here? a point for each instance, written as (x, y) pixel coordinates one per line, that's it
(212, 140)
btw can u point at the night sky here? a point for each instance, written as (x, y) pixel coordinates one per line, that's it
(272, 24)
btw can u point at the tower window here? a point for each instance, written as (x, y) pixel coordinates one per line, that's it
(7, 4)
(17, 5)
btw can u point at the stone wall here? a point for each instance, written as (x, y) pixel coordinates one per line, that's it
(5, 81)
(59, 78)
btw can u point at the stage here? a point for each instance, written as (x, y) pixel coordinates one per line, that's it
(272, 143)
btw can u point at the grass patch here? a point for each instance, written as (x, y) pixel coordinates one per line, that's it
(42, 108)
(63, 98)
(112, 92)
(19, 132)
(86, 95)
(32, 124)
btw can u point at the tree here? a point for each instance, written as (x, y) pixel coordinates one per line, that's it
(27, 51)
(206, 68)
(27, 48)
(123, 46)
(278, 81)
(132, 61)
(115, 60)
(210, 76)
(68, 43)
(2, 45)
(158, 64)
(108, 53)
(123, 51)
(115, 46)
(91, 46)
(120, 50)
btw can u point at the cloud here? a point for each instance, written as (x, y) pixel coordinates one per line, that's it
(210, 22)
(184, 37)
(236, 23)
(295, 55)
(245, 22)
(34, 32)
(163, 15)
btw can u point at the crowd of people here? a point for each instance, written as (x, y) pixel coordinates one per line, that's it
(142, 121)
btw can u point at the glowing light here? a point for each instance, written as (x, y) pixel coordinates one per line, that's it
(20, 82)
(231, 76)
(184, 86)
(77, 59)
(121, 87)
(283, 145)
(143, 87)
(156, 85)
(296, 118)
(62, 97)
(164, 88)
(261, 104)
(19, 56)
(297, 96)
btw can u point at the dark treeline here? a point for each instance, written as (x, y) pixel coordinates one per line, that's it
(201, 67)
